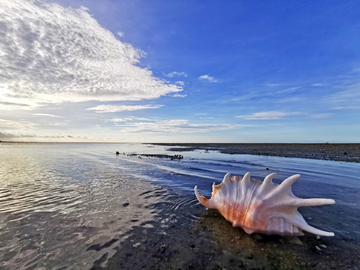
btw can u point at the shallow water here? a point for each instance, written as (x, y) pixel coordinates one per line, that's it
(67, 205)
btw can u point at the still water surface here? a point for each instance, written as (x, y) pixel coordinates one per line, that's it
(66, 205)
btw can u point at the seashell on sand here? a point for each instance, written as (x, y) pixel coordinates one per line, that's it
(261, 206)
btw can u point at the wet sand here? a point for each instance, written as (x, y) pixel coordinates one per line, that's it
(212, 243)
(325, 151)
(83, 211)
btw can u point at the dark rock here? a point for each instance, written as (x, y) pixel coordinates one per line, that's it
(250, 256)
(258, 237)
(125, 203)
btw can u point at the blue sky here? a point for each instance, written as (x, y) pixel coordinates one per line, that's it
(180, 71)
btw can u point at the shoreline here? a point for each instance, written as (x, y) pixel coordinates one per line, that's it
(344, 152)
(167, 243)
(212, 243)
(326, 151)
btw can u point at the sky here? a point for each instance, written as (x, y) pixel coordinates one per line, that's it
(180, 71)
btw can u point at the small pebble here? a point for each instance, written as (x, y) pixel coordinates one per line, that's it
(258, 237)
(137, 244)
(318, 248)
(296, 240)
(226, 252)
(125, 203)
(323, 246)
(250, 256)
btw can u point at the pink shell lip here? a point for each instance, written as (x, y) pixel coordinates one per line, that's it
(261, 206)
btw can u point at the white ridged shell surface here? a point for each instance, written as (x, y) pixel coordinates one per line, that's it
(260, 206)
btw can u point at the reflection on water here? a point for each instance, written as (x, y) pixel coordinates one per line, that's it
(55, 212)
(71, 205)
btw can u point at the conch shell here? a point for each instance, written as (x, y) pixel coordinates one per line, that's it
(262, 207)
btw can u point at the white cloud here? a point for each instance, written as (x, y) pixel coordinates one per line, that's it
(174, 126)
(11, 104)
(321, 115)
(131, 118)
(289, 99)
(116, 120)
(287, 90)
(45, 114)
(179, 83)
(208, 78)
(349, 98)
(50, 54)
(176, 74)
(20, 136)
(13, 125)
(348, 108)
(271, 115)
(116, 108)
(273, 84)
(120, 34)
(178, 95)
(5, 135)
(15, 135)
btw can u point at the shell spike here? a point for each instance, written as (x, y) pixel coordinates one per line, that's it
(300, 222)
(285, 186)
(267, 185)
(312, 202)
(268, 179)
(208, 203)
(201, 199)
(226, 179)
(246, 178)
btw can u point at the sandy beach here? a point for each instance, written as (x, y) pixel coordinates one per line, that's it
(324, 151)
(212, 242)
(82, 206)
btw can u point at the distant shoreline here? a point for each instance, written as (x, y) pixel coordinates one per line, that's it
(348, 152)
